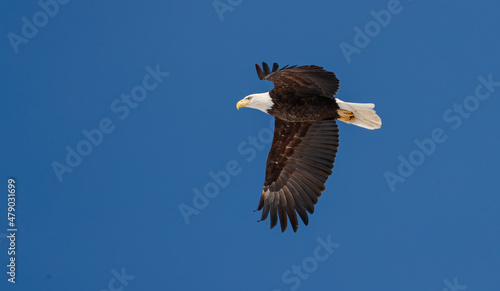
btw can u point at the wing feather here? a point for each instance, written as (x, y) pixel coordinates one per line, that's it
(299, 163)
(303, 81)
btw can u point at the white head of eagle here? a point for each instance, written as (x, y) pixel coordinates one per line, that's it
(260, 101)
(302, 153)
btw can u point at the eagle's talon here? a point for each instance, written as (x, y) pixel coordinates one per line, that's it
(345, 115)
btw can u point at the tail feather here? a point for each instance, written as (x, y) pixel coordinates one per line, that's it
(364, 115)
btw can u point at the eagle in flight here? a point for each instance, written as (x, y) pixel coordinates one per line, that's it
(305, 138)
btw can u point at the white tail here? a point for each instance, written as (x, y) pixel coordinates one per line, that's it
(364, 115)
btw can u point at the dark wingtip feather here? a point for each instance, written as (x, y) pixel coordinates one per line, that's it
(275, 67)
(282, 218)
(294, 222)
(303, 215)
(265, 212)
(260, 73)
(274, 216)
(267, 71)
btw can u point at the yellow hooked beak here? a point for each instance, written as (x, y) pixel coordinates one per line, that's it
(242, 103)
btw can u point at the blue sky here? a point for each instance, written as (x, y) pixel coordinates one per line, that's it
(412, 206)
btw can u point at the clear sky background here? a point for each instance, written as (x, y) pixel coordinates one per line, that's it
(381, 224)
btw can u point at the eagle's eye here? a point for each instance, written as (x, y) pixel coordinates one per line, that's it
(249, 98)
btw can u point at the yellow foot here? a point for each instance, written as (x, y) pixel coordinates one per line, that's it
(345, 116)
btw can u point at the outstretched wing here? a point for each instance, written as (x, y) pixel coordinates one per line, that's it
(304, 81)
(298, 165)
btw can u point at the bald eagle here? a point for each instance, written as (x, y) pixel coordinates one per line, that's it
(305, 137)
